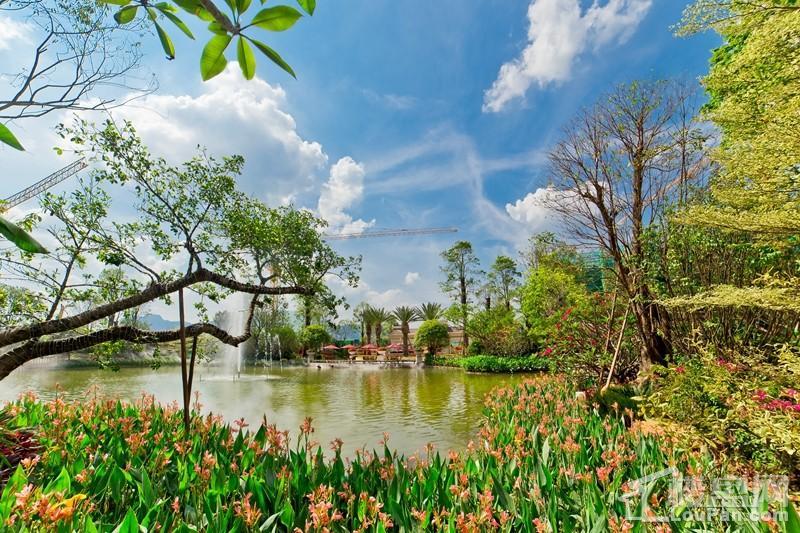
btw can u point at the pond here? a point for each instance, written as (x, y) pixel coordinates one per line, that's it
(357, 404)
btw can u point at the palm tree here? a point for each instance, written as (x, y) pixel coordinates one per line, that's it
(404, 315)
(430, 311)
(368, 318)
(379, 317)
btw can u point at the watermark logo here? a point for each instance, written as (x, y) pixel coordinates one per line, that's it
(706, 499)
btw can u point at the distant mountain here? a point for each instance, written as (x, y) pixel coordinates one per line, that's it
(157, 322)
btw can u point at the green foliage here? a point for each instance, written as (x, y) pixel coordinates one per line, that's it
(314, 336)
(432, 335)
(223, 28)
(430, 311)
(289, 341)
(743, 406)
(498, 332)
(461, 271)
(542, 458)
(546, 295)
(503, 279)
(502, 365)
(6, 137)
(755, 99)
(21, 238)
(405, 315)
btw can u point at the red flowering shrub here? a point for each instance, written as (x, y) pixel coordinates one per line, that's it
(582, 345)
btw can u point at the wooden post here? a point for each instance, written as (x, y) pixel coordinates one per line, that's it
(616, 350)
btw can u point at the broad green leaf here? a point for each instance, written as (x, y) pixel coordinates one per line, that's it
(213, 61)
(217, 28)
(190, 6)
(204, 14)
(166, 42)
(59, 484)
(308, 5)
(13, 485)
(247, 60)
(129, 523)
(274, 56)
(179, 23)
(793, 519)
(20, 237)
(278, 18)
(126, 14)
(8, 138)
(242, 5)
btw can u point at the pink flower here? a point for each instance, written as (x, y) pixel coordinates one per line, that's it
(680, 369)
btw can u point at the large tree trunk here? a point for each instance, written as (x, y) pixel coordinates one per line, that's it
(463, 282)
(405, 331)
(652, 324)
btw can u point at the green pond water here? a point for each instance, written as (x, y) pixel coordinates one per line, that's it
(357, 404)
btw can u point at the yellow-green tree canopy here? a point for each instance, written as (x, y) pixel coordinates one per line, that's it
(754, 89)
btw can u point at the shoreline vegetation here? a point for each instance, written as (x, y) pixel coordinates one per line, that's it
(542, 460)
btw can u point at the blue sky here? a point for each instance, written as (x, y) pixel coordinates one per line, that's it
(402, 115)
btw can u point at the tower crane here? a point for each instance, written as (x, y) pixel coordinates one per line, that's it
(76, 166)
(43, 184)
(400, 232)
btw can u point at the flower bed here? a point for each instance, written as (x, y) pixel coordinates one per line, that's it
(542, 462)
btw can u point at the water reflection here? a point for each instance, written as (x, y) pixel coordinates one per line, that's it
(357, 404)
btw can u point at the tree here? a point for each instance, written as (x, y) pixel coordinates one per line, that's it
(503, 279)
(314, 336)
(430, 311)
(496, 331)
(218, 239)
(754, 92)
(616, 166)
(368, 317)
(547, 295)
(432, 335)
(380, 318)
(77, 54)
(461, 271)
(404, 316)
(267, 320)
(78, 50)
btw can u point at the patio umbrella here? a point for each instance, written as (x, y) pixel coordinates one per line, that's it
(395, 346)
(349, 347)
(330, 347)
(369, 347)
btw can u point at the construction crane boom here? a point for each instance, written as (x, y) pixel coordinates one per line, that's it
(388, 233)
(43, 184)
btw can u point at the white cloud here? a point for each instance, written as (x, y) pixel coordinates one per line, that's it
(235, 116)
(397, 102)
(532, 210)
(344, 188)
(14, 32)
(411, 278)
(559, 33)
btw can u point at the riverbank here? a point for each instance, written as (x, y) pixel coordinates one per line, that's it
(536, 463)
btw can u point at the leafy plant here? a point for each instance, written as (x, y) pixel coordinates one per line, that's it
(432, 335)
(541, 460)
